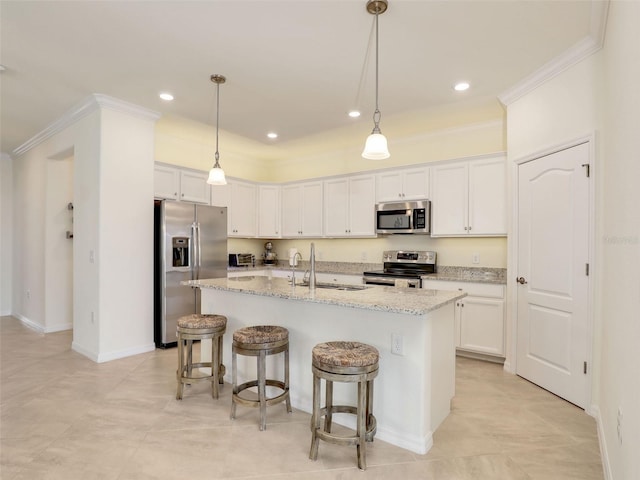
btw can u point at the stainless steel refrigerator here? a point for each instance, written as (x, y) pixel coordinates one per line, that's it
(190, 243)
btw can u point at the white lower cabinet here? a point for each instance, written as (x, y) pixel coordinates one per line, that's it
(479, 316)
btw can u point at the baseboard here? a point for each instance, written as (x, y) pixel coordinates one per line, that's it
(59, 328)
(30, 323)
(594, 411)
(115, 355)
(480, 356)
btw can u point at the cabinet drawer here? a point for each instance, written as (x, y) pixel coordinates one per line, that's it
(489, 290)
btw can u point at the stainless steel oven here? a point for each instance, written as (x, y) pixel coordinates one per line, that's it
(402, 269)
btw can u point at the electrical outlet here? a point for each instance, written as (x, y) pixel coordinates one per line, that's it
(475, 258)
(28, 294)
(363, 256)
(620, 425)
(397, 344)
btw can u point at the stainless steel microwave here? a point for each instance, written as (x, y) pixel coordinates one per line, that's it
(404, 217)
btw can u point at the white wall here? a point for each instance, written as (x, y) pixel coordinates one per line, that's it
(6, 233)
(599, 94)
(58, 248)
(619, 242)
(111, 143)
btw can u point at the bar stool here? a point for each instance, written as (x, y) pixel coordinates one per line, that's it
(344, 362)
(200, 327)
(260, 341)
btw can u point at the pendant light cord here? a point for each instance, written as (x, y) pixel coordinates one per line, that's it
(376, 114)
(217, 154)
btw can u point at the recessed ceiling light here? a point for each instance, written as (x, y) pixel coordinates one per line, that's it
(461, 86)
(166, 96)
(354, 113)
(272, 135)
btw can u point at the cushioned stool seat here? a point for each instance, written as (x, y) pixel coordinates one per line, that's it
(260, 341)
(200, 327)
(344, 362)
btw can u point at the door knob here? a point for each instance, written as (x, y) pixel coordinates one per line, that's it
(521, 280)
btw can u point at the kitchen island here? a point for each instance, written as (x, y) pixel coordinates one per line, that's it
(416, 383)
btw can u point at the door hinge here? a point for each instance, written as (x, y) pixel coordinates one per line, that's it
(585, 368)
(586, 269)
(588, 171)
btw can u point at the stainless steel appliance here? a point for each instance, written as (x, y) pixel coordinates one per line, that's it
(190, 242)
(402, 268)
(403, 217)
(242, 260)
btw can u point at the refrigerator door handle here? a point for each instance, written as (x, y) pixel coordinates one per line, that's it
(198, 250)
(194, 251)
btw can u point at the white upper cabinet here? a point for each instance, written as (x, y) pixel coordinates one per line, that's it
(269, 211)
(402, 185)
(302, 210)
(469, 198)
(179, 184)
(240, 200)
(349, 205)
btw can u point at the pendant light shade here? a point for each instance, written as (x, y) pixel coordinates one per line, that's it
(216, 174)
(375, 147)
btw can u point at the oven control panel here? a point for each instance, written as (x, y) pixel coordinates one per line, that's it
(409, 256)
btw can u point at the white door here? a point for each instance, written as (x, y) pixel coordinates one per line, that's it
(553, 254)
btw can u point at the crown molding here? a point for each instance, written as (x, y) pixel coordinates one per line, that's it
(89, 105)
(581, 50)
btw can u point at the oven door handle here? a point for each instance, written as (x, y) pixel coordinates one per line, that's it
(380, 281)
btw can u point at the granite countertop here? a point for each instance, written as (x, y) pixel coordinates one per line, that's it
(447, 273)
(408, 301)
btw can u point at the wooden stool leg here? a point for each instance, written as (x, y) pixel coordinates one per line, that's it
(369, 411)
(262, 388)
(286, 378)
(315, 419)
(180, 371)
(234, 380)
(328, 419)
(215, 367)
(361, 426)
(189, 357)
(221, 370)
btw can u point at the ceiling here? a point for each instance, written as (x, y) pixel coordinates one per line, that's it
(294, 67)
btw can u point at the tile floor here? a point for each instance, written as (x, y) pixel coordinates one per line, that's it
(66, 417)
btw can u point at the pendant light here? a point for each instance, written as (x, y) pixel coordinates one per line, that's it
(216, 174)
(376, 146)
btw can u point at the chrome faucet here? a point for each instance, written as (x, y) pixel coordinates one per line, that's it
(293, 261)
(312, 273)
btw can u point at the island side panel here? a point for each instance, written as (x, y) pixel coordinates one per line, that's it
(404, 400)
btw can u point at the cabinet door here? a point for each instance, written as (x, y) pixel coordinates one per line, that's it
(488, 197)
(166, 182)
(311, 209)
(389, 187)
(449, 192)
(243, 210)
(194, 187)
(336, 208)
(291, 200)
(269, 211)
(415, 184)
(401, 185)
(482, 325)
(362, 202)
